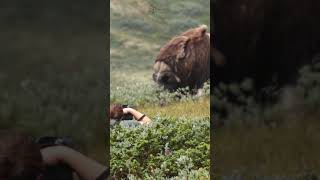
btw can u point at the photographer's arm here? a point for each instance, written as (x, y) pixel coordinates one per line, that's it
(137, 115)
(85, 167)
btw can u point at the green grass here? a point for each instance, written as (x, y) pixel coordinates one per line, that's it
(138, 32)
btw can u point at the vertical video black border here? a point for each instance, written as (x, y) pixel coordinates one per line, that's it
(212, 123)
(107, 38)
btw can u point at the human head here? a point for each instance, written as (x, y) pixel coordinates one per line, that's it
(20, 156)
(116, 111)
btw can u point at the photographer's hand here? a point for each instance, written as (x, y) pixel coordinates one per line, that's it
(52, 155)
(85, 167)
(126, 110)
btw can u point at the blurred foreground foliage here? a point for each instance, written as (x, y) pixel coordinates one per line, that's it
(166, 148)
(283, 106)
(52, 72)
(275, 140)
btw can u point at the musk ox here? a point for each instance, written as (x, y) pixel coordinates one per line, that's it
(266, 40)
(184, 61)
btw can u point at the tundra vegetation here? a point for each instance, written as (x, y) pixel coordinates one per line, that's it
(176, 145)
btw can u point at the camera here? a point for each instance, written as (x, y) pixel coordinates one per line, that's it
(60, 171)
(127, 116)
(117, 115)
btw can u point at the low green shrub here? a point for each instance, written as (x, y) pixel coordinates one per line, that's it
(166, 148)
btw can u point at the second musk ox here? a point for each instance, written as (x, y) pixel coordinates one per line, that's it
(184, 61)
(266, 40)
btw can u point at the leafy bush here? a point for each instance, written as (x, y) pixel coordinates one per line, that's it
(166, 148)
(183, 174)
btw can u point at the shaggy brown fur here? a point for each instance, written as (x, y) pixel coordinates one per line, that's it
(184, 60)
(266, 40)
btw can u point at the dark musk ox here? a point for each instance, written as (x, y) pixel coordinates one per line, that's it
(266, 40)
(184, 61)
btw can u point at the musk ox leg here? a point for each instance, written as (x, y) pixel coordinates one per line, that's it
(200, 92)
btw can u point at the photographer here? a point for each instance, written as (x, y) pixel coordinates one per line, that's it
(21, 158)
(123, 112)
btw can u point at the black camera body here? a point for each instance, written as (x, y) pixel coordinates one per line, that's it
(60, 171)
(127, 116)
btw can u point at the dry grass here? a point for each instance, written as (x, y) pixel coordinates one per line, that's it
(190, 109)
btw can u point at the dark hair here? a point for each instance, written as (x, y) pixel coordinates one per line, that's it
(20, 156)
(116, 111)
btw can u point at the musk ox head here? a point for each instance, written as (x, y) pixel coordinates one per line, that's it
(184, 60)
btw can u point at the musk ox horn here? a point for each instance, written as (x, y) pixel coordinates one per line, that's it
(203, 29)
